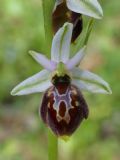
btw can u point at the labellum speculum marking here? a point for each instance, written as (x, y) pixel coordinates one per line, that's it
(63, 107)
(62, 14)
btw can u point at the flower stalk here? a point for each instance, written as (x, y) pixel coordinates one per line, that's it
(48, 6)
(52, 146)
(47, 11)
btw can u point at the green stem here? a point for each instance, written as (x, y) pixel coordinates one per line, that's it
(48, 6)
(52, 146)
(47, 14)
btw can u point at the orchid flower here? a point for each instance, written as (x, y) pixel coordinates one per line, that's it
(63, 106)
(60, 53)
(90, 8)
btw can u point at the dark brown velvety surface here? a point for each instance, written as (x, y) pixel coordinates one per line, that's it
(77, 113)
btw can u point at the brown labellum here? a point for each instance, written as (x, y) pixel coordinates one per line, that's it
(62, 14)
(63, 107)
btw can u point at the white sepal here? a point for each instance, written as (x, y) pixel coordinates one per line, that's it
(37, 83)
(86, 80)
(90, 8)
(61, 44)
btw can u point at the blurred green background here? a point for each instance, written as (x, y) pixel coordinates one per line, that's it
(23, 136)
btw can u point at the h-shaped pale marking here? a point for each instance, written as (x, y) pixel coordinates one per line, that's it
(58, 98)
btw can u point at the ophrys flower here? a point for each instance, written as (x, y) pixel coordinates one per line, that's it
(63, 106)
(71, 11)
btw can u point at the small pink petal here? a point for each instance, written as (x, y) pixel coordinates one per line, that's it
(74, 61)
(44, 61)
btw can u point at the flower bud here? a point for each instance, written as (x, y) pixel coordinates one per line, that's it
(62, 14)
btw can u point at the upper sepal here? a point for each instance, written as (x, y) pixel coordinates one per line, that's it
(61, 44)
